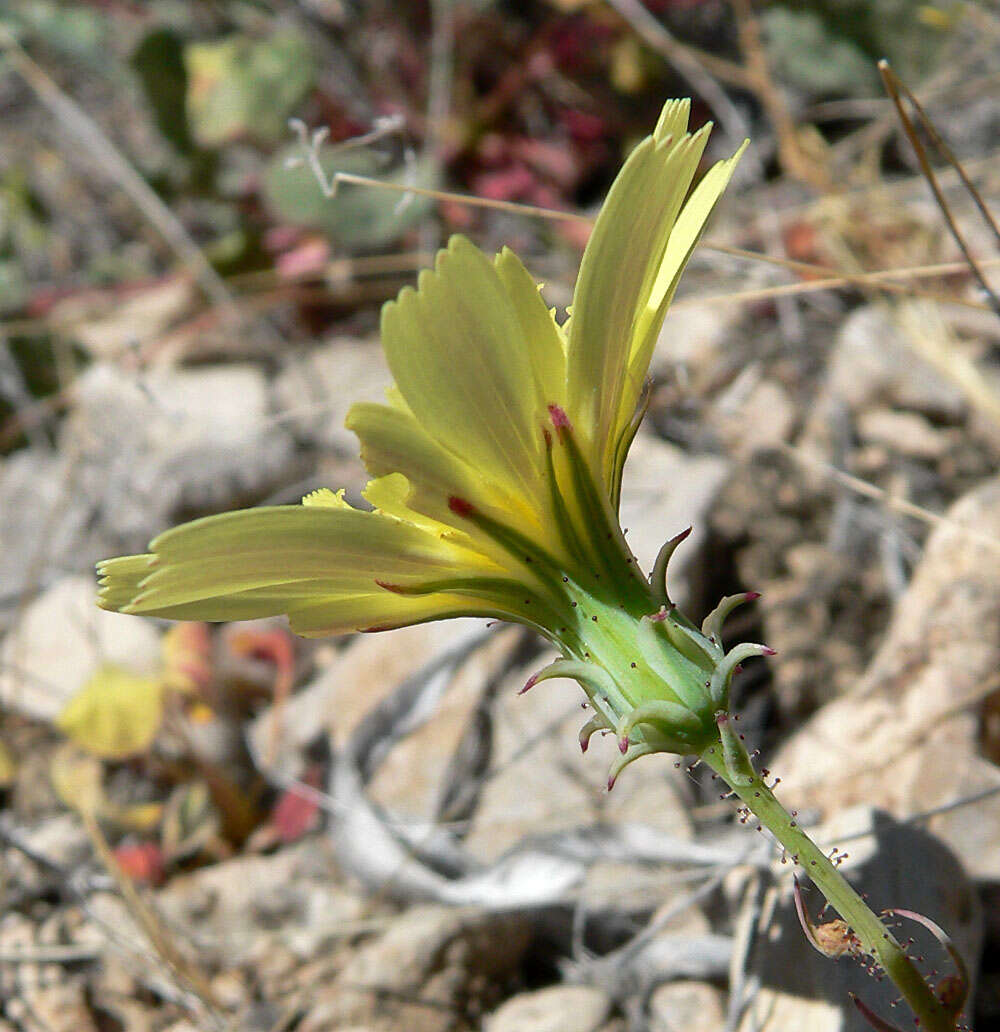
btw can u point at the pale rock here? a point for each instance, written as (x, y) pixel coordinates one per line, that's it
(135, 320)
(173, 440)
(363, 673)
(907, 433)
(539, 781)
(237, 909)
(542, 783)
(61, 1007)
(411, 778)
(664, 491)
(430, 961)
(645, 793)
(61, 640)
(60, 838)
(692, 335)
(315, 394)
(763, 418)
(691, 1006)
(872, 362)
(46, 526)
(906, 736)
(558, 1008)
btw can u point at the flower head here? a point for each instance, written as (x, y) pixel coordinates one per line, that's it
(497, 467)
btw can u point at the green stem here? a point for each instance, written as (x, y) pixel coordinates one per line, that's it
(873, 935)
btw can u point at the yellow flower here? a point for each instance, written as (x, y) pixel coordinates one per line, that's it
(497, 465)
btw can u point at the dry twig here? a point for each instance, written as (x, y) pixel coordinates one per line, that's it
(897, 90)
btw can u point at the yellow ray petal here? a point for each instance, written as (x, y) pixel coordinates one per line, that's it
(684, 237)
(266, 561)
(379, 612)
(325, 497)
(392, 441)
(457, 350)
(335, 613)
(390, 496)
(627, 276)
(546, 344)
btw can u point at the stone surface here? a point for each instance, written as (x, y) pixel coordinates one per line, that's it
(905, 737)
(691, 336)
(665, 490)
(131, 321)
(686, 1007)
(541, 783)
(315, 395)
(46, 526)
(557, 1008)
(356, 679)
(907, 433)
(431, 966)
(234, 909)
(873, 364)
(174, 441)
(58, 643)
(756, 416)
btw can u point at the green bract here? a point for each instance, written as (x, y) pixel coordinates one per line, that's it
(497, 465)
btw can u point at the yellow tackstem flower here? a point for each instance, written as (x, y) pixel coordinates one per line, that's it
(497, 463)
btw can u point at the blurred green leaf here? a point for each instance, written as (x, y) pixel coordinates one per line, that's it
(72, 29)
(159, 63)
(805, 54)
(246, 87)
(356, 216)
(190, 821)
(830, 47)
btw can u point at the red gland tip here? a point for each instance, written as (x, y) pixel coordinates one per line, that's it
(396, 589)
(548, 438)
(768, 651)
(460, 507)
(611, 781)
(529, 684)
(678, 538)
(584, 744)
(752, 596)
(559, 418)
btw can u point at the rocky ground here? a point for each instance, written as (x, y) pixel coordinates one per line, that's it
(379, 833)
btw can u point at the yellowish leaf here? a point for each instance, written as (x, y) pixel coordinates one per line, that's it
(116, 713)
(76, 778)
(8, 766)
(133, 816)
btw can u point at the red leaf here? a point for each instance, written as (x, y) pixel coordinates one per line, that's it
(142, 862)
(296, 812)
